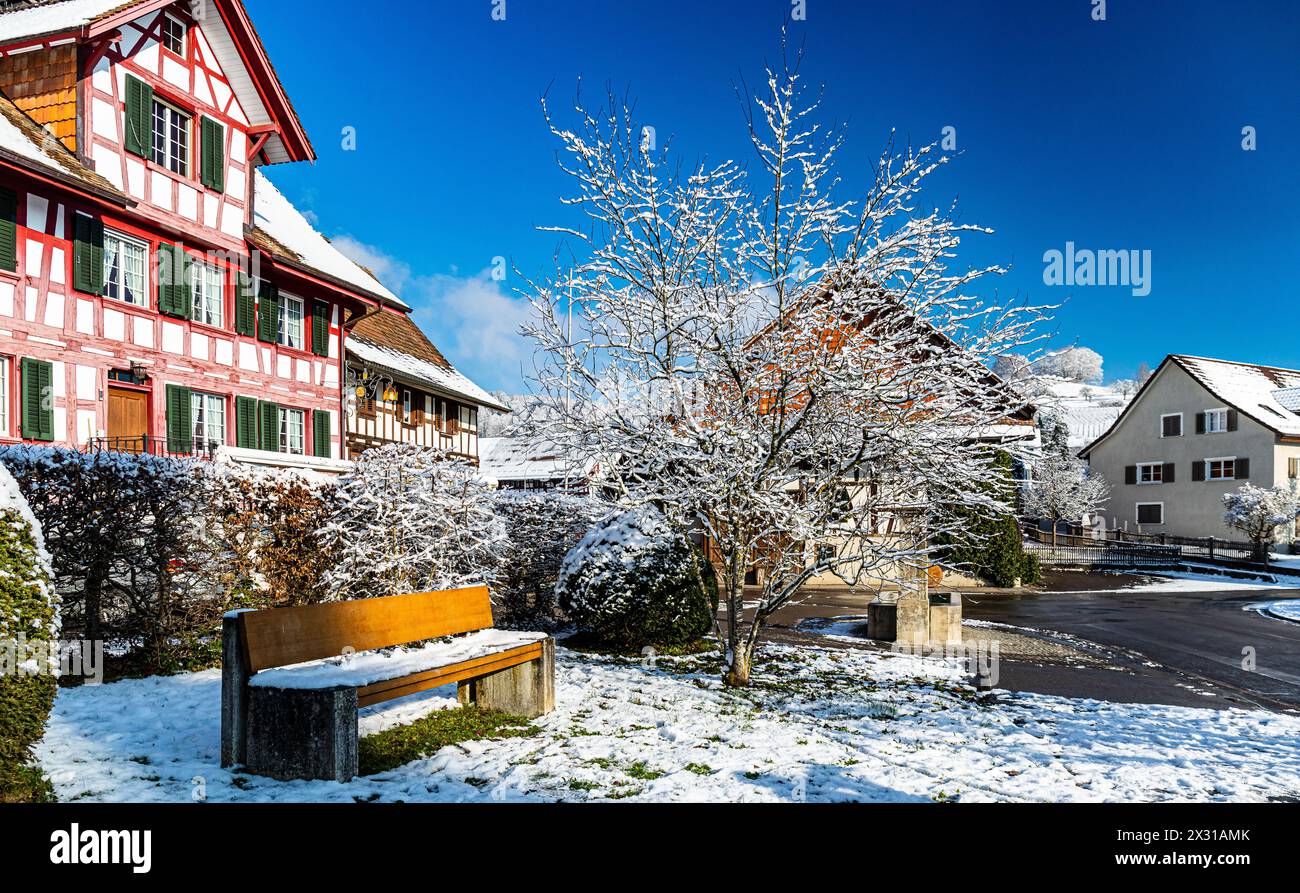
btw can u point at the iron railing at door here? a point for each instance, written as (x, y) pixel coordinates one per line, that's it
(148, 445)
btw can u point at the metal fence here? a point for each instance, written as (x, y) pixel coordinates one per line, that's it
(1189, 546)
(145, 445)
(1085, 551)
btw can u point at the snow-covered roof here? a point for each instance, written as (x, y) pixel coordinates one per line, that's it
(275, 215)
(53, 18)
(1249, 389)
(1268, 394)
(525, 459)
(30, 145)
(444, 379)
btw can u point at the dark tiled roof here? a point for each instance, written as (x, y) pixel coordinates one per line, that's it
(63, 165)
(398, 331)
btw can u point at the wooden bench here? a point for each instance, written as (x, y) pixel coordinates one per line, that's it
(293, 679)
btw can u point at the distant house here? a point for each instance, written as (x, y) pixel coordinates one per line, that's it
(401, 389)
(519, 463)
(1197, 429)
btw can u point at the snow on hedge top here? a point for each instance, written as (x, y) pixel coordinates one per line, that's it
(1251, 389)
(52, 18)
(617, 545)
(448, 380)
(526, 459)
(276, 216)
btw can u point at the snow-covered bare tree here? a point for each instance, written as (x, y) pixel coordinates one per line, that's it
(411, 519)
(768, 357)
(1063, 490)
(1258, 512)
(1081, 364)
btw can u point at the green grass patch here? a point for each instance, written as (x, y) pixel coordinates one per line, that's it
(590, 643)
(426, 736)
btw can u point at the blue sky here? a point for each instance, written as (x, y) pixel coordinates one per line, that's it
(1116, 134)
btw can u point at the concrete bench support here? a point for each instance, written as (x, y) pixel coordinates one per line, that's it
(302, 733)
(234, 695)
(526, 689)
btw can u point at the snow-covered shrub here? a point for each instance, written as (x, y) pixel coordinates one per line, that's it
(29, 615)
(634, 580)
(541, 527)
(1258, 512)
(1081, 364)
(411, 519)
(261, 535)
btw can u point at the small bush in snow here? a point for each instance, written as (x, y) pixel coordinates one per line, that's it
(634, 581)
(541, 527)
(411, 519)
(1258, 512)
(29, 613)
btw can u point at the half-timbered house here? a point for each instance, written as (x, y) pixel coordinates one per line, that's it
(401, 389)
(157, 293)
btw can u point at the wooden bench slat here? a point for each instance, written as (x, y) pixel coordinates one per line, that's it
(391, 689)
(285, 636)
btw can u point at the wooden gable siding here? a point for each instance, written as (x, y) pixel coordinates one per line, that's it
(43, 83)
(436, 422)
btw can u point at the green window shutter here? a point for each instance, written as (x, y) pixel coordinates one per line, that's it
(268, 313)
(139, 117)
(88, 255)
(320, 329)
(180, 419)
(245, 306)
(38, 399)
(8, 230)
(214, 155)
(321, 433)
(175, 295)
(246, 423)
(269, 423)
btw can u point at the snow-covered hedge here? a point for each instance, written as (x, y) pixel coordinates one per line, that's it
(411, 519)
(29, 616)
(634, 581)
(541, 527)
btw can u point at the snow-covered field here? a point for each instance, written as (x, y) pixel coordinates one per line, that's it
(820, 724)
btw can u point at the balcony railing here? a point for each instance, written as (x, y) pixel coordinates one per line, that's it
(147, 445)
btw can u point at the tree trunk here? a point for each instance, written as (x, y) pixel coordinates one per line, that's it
(737, 674)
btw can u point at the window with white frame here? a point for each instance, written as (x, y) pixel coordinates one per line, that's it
(1151, 473)
(173, 34)
(126, 261)
(171, 138)
(4, 394)
(1216, 421)
(1171, 424)
(292, 431)
(291, 321)
(1151, 513)
(1221, 469)
(209, 413)
(209, 302)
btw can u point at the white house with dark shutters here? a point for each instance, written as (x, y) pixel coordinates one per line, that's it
(1198, 428)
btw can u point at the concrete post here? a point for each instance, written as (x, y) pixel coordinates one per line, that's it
(525, 690)
(302, 733)
(234, 694)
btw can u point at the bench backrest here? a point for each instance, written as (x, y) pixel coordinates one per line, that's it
(282, 636)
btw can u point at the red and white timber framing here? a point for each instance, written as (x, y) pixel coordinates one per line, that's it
(88, 336)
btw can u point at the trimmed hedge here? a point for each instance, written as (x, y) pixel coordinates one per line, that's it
(635, 581)
(28, 614)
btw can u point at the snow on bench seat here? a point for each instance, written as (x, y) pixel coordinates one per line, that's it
(368, 667)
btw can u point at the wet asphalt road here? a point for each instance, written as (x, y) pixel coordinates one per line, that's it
(1204, 637)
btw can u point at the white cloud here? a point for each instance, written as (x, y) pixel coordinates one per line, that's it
(473, 320)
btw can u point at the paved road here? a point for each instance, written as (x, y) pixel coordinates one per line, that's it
(1198, 635)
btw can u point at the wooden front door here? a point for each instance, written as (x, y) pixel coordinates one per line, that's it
(128, 419)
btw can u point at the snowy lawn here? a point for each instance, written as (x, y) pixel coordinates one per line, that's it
(818, 725)
(1285, 610)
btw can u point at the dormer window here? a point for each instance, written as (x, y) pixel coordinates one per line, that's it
(173, 34)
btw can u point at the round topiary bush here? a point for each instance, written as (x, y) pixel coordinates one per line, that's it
(29, 623)
(634, 581)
